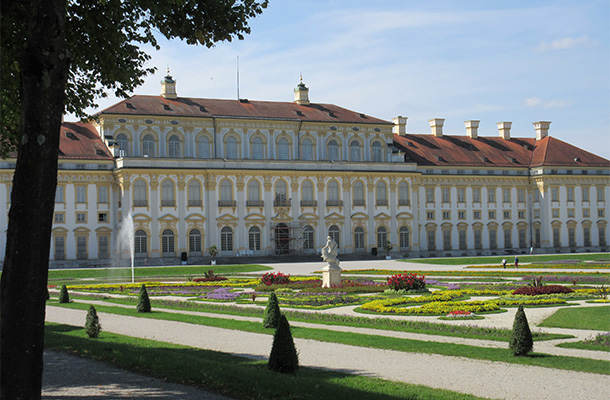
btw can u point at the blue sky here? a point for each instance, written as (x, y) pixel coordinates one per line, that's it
(518, 61)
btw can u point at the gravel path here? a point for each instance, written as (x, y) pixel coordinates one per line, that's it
(482, 378)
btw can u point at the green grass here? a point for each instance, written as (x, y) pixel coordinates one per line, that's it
(374, 341)
(596, 318)
(585, 346)
(231, 375)
(498, 259)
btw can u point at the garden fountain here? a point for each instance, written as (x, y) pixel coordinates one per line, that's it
(126, 238)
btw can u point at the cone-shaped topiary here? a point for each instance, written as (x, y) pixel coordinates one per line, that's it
(284, 357)
(92, 324)
(143, 300)
(521, 341)
(271, 318)
(64, 297)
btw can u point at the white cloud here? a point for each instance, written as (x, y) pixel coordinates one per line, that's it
(566, 43)
(538, 102)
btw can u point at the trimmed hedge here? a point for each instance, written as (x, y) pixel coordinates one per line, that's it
(536, 290)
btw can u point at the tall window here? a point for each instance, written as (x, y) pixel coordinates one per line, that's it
(478, 243)
(308, 243)
(231, 148)
(377, 152)
(306, 150)
(403, 236)
(537, 237)
(148, 146)
(333, 150)
(140, 242)
(585, 193)
(280, 193)
(60, 248)
(522, 238)
(139, 193)
(556, 237)
(403, 194)
(508, 238)
(174, 147)
(358, 189)
(258, 151)
(600, 194)
(382, 237)
(354, 151)
(602, 235)
(446, 239)
(194, 193)
(446, 195)
(167, 193)
(431, 240)
(81, 194)
(59, 194)
(506, 195)
(429, 195)
(476, 195)
(359, 239)
(81, 247)
(382, 194)
(554, 193)
(333, 191)
(283, 149)
(167, 242)
(254, 238)
(123, 143)
(335, 234)
(521, 195)
(195, 241)
(307, 191)
(203, 147)
(226, 239)
(586, 231)
(491, 195)
(254, 191)
(226, 191)
(461, 195)
(102, 194)
(493, 239)
(462, 239)
(103, 248)
(571, 236)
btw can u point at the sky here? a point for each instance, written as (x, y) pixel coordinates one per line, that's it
(493, 61)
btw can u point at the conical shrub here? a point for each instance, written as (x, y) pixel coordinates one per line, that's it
(521, 341)
(92, 324)
(271, 318)
(284, 357)
(64, 297)
(143, 300)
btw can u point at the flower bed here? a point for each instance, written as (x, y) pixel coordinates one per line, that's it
(433, 308)
(547, 289)
(222, 294)
(210, 279)
(407, 282)
(308, 300)
(277, 278)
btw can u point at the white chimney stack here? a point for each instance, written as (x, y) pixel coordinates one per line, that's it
(542, 129)
(472, 128)
(437, 126)
(400, 125)
(504, 129)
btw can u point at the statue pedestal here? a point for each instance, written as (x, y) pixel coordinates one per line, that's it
(331, 276)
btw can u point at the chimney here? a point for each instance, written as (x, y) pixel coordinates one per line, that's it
(542, 129)
(301, 94)
(504, 129)
(472, 128)
(168, 87)
(400, 125)
(437, 126)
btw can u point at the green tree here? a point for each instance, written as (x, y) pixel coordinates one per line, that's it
(283, 357)
(92, 324)
(64, 297)
(143, 300)
(271, 317)
(521, 341)
(56, 56)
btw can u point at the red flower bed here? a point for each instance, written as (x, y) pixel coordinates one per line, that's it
(548, 289)
(275, 279)
(457, 313)
(212, 279)
(407, 282)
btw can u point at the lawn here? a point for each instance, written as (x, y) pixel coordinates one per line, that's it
(595, 318)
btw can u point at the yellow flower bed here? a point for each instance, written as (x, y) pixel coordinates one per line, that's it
(435, 307)
(232, 282)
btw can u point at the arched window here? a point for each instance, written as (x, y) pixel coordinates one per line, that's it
(123, 143)
(173, 147)
(139, 194)
(226, 191)
(382, 194)
(377, 155)
(254, 190)
(167, 243)
(358, 190)
(194, 193)
(403, 194)
(280, 193)
(404, 238)
(203, 147)
(195, 241)
(148, 146)
(354, 151)
(382, 237)
(308, 233)
(254, 238)
(140, 243)
(333, 150)
(335, 234)
(283, 149)
(167, 194)
(226, 239)
(333, 191)
(258, 151)
(359, 239)
(306, 150)
(231, 148)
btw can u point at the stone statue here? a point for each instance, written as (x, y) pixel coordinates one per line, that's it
(329, 253)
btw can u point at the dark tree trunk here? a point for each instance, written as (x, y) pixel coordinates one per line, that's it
(44, 67)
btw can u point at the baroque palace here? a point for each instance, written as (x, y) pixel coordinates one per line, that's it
(258, 178)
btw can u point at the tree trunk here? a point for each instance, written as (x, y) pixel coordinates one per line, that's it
(43, 67)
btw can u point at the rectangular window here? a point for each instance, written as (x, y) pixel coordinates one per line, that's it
(572, 237)
(521, 214)
(493, 239)
(554, 193)
(59, 194)
(555, 212)
(491, 214)
(463, 242)
(586, 236)
(585, 193)
(537, 213)
(506, 214)
(537, 238)
(429, 195)
(508, 238)
(522, 238)
(446, 195)
(81, 194)
(586, 213)
(60, 248)
(81, 217)
(476, 214)
(600, 193)
(81, 247)
(59, 218)
(431, 240)
(601, 213)
(461, 214)
(556, 238)
(430, 215)
(476, 195)
(461, 195)
(570, 193)
(103, 250)
(102, 217)
(446, 215)
(521, 195)
(536, 195)
(571, 213)
(446, 240)
(602, 236)
(491, 195)
(506, 195)
(102, 194)
(478, 243)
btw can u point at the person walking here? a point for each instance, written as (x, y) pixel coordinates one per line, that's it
(504, 263)
(516, 262)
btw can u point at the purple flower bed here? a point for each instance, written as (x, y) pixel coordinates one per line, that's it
(569, 278)
(222, 294)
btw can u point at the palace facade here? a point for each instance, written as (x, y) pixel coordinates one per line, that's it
(270, 178)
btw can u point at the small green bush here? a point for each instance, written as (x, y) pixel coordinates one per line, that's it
(521, 341)
(64, 297)
(143, 300)
(92, 324)
(271, 318)
(283, 357)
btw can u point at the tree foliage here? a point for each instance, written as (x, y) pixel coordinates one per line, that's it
(283, 357)
(92, 323)
(271, 317)
(64, 297)
(521, 341)
(143, 300)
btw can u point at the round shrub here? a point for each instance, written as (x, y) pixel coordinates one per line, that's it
(283, 357)
(92, 324)
(64, 297)
(407, 282)
(537, 290)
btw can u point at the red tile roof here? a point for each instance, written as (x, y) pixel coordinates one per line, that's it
(552, 151)
(208, 108)
(80, 140)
